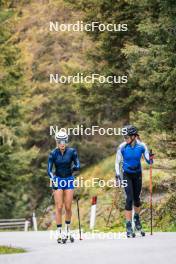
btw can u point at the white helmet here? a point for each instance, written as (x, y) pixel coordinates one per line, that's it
(61, 137)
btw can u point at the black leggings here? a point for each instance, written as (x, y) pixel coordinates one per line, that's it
(133, 190)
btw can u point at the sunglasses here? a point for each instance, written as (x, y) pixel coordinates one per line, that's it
(63, 142)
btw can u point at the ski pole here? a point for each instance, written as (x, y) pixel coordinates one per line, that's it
(112, 206)
(151, 204)
(79, 222)
(109, 216)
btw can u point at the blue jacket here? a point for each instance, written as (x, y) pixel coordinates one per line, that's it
(130, 157)
(64, 164)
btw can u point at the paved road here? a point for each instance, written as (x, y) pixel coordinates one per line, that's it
(159, 248)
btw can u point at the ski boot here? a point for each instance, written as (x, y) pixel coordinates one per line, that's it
(129, 230)
(138, 226)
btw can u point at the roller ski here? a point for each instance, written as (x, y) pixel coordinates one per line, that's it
(129, 230)
(137, 225)
(70, 238)
(62, 238)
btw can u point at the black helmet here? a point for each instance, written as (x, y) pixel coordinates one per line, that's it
(131, 130)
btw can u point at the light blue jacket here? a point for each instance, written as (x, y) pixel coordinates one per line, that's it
(130, 157)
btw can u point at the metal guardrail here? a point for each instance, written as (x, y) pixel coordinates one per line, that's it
(19, 223)
(15, 223)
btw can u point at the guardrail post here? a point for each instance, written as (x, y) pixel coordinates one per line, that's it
(34, 221)
(26, 225)
(93, 212)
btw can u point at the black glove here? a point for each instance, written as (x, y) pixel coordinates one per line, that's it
(151, 156)
(118, 179)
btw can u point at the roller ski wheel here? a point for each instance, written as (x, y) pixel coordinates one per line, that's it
(133, 234)
(59, 240)
(142, 233)
(64, 240)
(70, 238)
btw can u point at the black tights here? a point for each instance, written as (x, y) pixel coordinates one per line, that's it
(133, 190)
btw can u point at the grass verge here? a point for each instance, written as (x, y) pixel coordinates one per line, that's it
(11, 250)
